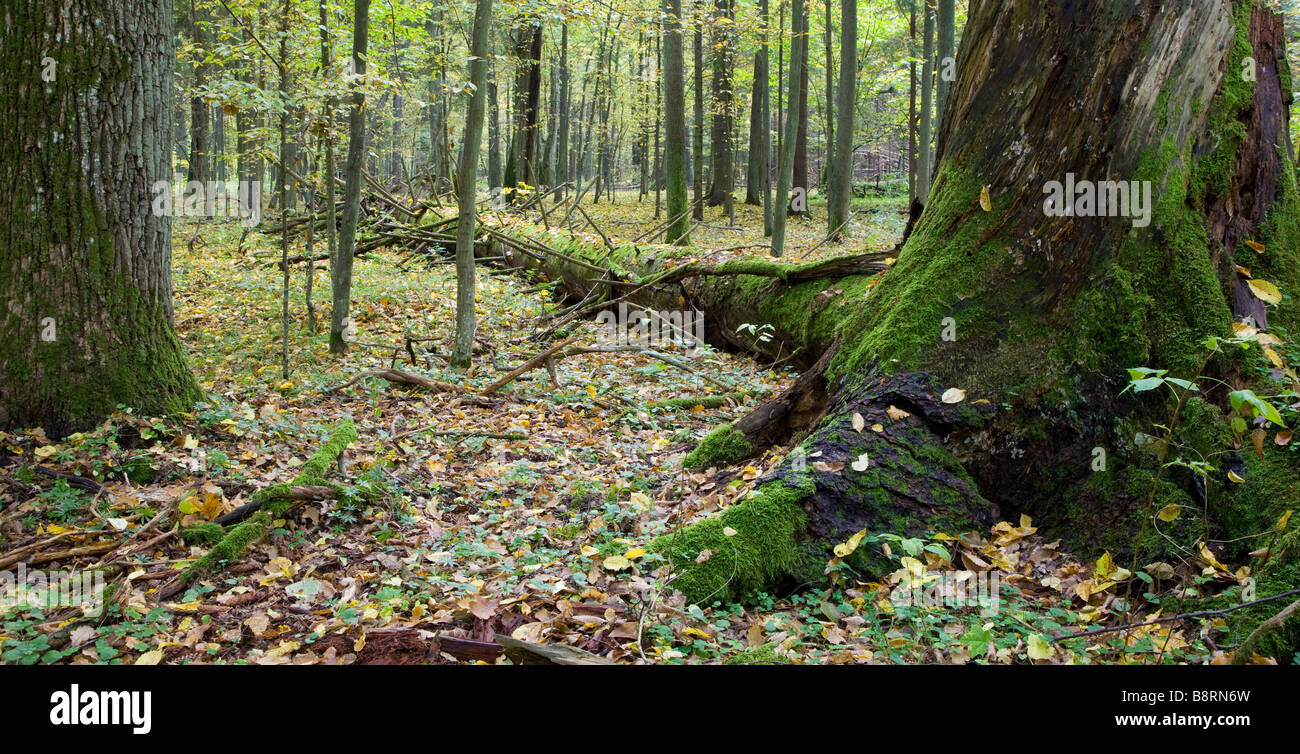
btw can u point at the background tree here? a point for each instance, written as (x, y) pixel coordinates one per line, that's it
(840, 185)
(341, 266)
(466, 275)
(675, 125)
(785, 167)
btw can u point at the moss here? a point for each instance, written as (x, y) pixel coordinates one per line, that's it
(235, 542)
(764, 547)
(761, 655)
(707, 401)
(206, 532)
(722, 446)
(314, 469)
(230, 548)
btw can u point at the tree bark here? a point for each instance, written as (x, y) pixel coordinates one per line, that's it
(720, 135)
(85, 226)
(840, 185)
(341, 265)
(675, 125)
(785, 166)
(462, 352)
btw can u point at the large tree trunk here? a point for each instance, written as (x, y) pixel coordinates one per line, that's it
(1046, 312)
(85, 264)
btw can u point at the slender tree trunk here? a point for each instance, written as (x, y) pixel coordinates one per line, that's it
(823, 178)
(800, 178)
(85, 226)
(697, 140)
(925, 150)
(756, 170)
(327, 139)
(675, 125)
(911, 102)
(285, 189)
(785, 167)
(720, 135)
(947, 52)
(562, 161)
(494, 138)
(840, 184)
(341, 270)
(463, 351)
(200, 110)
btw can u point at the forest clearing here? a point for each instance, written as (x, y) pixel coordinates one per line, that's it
(650, 333)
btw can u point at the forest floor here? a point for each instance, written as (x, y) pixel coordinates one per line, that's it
(533, 521)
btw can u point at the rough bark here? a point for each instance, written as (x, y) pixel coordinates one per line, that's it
(85, 262)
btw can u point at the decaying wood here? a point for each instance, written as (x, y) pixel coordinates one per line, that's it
(403, 378)
(527, 653)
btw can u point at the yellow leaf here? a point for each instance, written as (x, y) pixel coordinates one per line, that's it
(640, 500)
(1169, 513)
(634, 553)
(1208, 557)
(728, 531)
(1266, 291)
(986, 201)
(591, 391)
(152, 657)
(45, 451)
(858, 422)
(1105, 564)
(616, 563)
(1282, 522)
(211, 507)
(1257, 246)
(845, 549)
(862, 463)
(1235, 477)
(1040, 648)
(896, 413)
(877, 428)
(1272, 356)
(953, 395)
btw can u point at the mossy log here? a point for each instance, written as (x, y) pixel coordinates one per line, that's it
(269, 503)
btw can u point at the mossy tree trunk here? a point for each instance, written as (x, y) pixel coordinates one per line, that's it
(1035, 317)
(85, 261)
